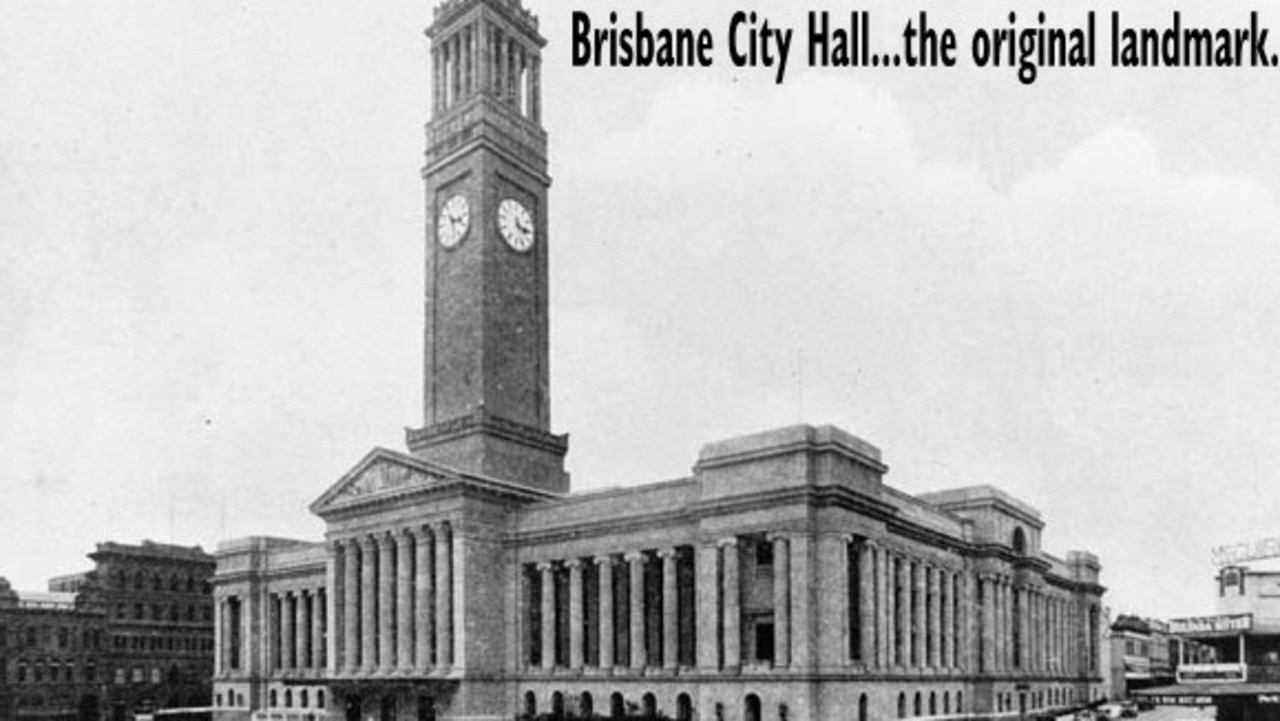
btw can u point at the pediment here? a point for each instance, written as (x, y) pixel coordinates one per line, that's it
(381, 473)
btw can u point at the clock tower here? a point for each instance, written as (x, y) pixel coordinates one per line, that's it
(486, 397)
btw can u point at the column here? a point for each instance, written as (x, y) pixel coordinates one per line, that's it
(575, 613)
(670, 610)
(731, 594)
(883, 627)
(319, 623)
(1006, 615)
(604, 569)
(934, 589)
(988, 628)
(301, 633)
(386, 602)
(330, 610)
(781, 601)
(639, 655)
(404, 599)
(424, 626)
(948, 599)
(444, 596)
(219, 635)
(902, 605)
(801, 611)
(547, 582)
(368, 604)
(866, 604)
(351, 605)
(707, 578)
(289, 631)
(920, 650)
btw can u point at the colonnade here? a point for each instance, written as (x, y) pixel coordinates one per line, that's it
(1026, 628)
(915, 613)
(874, 607)
(296, 626)
(393, 596)
(480, 56)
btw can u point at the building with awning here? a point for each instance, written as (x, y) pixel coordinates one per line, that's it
(1241, 673)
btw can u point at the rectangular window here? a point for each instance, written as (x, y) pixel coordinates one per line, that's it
(764, 642)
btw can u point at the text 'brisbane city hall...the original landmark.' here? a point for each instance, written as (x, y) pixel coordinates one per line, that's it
(781, 581)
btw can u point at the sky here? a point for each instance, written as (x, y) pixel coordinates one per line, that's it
(211, 244)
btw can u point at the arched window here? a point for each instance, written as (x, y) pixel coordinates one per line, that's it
(274, 699)
(1019, 541)
(649, 706)
(752, 708)
(917, 708)
(999, 702)
(586, 705)
(217, 699)
(933, 703)
(320, 698)
(946, 702)
(302, 698)
(557, 705)
(862, 707)
(530, 704)
(288, 698)
(959, 702)
(617, 706)
(782, 712)
(684, 708)
(902, 705)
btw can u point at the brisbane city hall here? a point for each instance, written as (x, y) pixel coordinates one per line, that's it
(781, 581)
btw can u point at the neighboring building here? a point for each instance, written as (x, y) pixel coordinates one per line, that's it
(1147, 655)
(133, 634)
(158, 600)
(781, 580)
(50, 646)
(1232, 659)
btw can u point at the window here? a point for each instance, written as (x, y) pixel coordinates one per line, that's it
(764, 642)
(764, 553)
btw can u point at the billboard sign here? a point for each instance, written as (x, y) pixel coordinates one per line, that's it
(1212, 624)
(1236, 553)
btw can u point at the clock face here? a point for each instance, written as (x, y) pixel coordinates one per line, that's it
(455, 218)
(515, 222)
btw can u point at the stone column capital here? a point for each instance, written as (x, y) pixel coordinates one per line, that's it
(775, 536)
(634, 556)
(573, 563)
(384, 540)
(544, 566)
(403, 535)
(665, 553)
(604, 559)
(729, 542)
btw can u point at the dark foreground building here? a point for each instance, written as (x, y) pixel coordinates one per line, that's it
(781, 580)
(131, 635)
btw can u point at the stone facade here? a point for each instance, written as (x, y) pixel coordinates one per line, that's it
(133, 634)
(781, 580)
